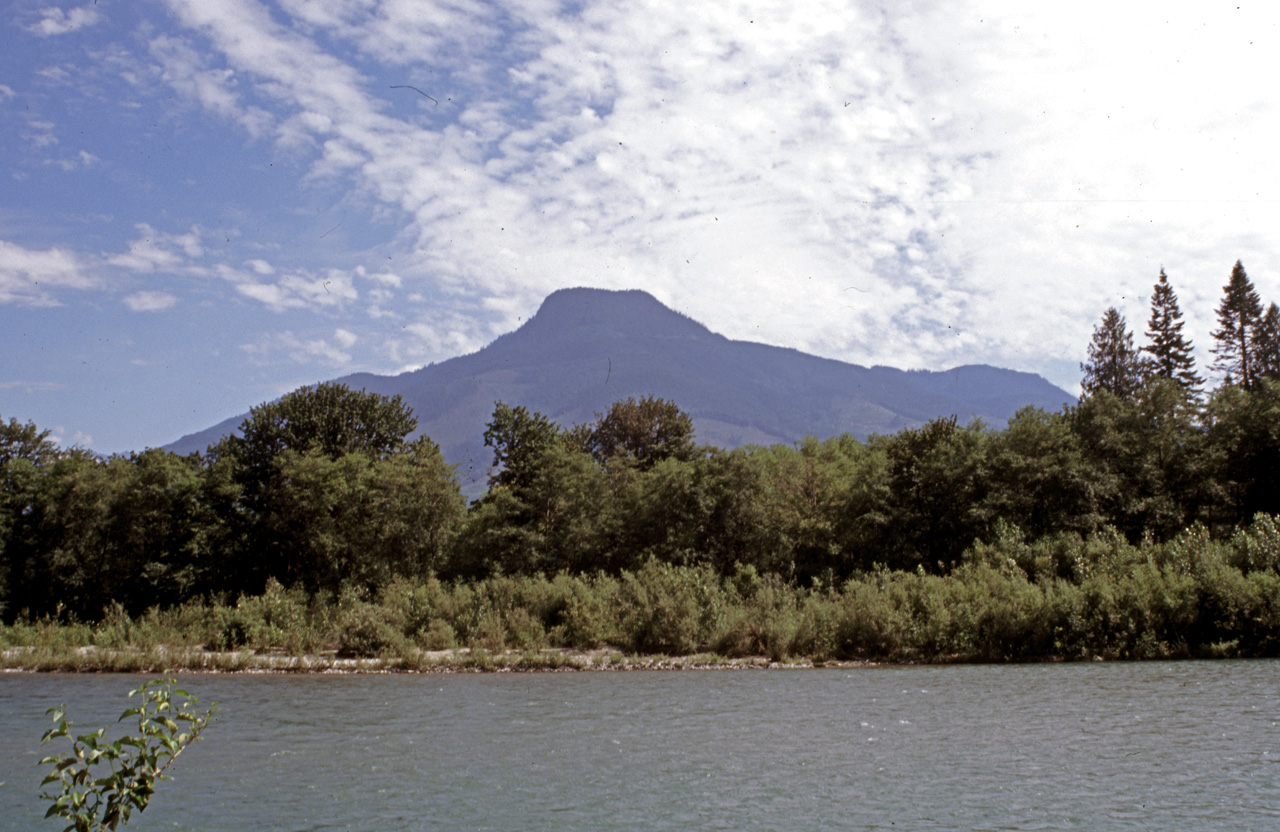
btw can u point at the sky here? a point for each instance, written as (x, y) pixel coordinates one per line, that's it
(207, 203)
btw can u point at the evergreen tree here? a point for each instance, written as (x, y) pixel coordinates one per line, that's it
(1114, 364)
(1239, 319)
(1268, 350)
(1170, 352)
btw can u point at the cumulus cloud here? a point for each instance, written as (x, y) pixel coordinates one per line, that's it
(55, 21)
(155, 251)
(294, 290)
(30, 277)
(40, 133)
(150, 301)
(59, 435)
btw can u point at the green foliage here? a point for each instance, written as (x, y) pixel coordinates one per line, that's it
(368, 630)
(1239, 319)
(1257, 548)
(1267, 341)
(100, 782)
(938, 483)
(1119, 527)
(1114, 364)
(1040, 479)
(331, 418)
(669, 609)
(1243, 439)
(310, 478)
(1170, 351)
(641, 433)
(519, 439)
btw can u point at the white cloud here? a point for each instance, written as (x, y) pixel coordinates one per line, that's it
(154, 251)
(55, 21)
(150, 301)
(385, 278)
(29, 277)
(302, 350)
(891, 185)
(70, 439)
(6, 92)
(215, 89)
(83, 159)
(345, 338)
(31, 386)
(296, 290)
(40, 133)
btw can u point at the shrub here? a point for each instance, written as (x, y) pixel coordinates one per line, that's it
(133, 763)
(365, 631)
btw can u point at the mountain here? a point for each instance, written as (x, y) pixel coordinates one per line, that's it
(587, 348)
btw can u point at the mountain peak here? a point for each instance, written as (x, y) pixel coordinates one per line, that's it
(630, 312)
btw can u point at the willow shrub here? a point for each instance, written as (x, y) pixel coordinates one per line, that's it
(671, 609)
(1011, 599)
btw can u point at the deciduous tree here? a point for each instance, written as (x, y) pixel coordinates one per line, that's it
(643, 431)
(518, 438)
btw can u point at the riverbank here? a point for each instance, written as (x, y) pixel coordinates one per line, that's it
(91, 659)
(1097, 598)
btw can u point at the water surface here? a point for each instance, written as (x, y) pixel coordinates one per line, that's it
(1184, 746)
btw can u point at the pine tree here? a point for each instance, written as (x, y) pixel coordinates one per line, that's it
(1171, 355)
(1239, 318)
(1268, 344)
(1113, 363)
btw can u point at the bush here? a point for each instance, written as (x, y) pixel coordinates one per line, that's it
(670, 609)
(364, 631)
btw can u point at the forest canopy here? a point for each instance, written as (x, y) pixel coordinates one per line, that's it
(325, 492)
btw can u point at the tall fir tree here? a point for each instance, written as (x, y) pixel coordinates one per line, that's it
(1239, 319)
(1114, 364)
(1268, 341)
(1170, 351)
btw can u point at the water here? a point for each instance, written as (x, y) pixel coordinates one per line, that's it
(1188, 746)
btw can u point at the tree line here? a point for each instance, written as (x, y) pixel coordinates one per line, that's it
(325, 493)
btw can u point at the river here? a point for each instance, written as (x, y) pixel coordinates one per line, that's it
(1098, 746)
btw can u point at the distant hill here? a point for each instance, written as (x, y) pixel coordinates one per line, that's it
(587, 348)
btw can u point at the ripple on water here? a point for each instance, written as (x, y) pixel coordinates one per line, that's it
(1143, 746)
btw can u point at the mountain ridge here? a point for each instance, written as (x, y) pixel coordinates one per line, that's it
(587, 348)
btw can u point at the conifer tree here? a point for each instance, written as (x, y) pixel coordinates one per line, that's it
(1114, 364)
(1239, 318)
(1170, 352)
(1268, 349)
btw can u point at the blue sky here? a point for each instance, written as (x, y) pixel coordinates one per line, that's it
(206, 203)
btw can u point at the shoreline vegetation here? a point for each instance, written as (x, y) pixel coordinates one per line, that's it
(1062, 598)
(1140, 523)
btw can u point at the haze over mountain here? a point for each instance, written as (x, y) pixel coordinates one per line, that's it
(587, 348)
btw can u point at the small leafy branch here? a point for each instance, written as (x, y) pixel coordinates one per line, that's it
(102, 782)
